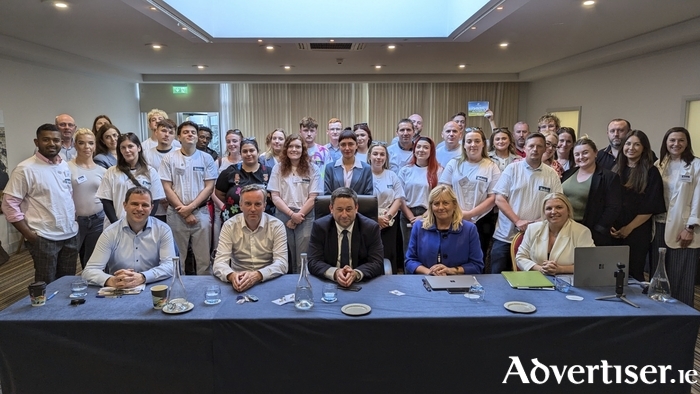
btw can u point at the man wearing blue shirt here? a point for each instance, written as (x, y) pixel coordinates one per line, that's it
(134, 250)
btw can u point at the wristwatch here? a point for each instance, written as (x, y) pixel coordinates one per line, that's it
(690, 227)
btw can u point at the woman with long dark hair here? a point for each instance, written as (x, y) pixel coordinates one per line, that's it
(642, 197)
(364, 140)
(679, 229)
(106, 145)
(131, 170)
(294, 184)
(418, 178)
(502, 148)
(99, 121)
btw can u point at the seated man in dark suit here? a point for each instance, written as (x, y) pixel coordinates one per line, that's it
(345, 246)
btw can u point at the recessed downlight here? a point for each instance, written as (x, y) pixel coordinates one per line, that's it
(60, 4)
(331, 40)
(462, 65)
(500, 8)
(153, 8)
(270, 47)
(503, 45)
(588, 3)
(377, 66)
(391, 46)
(200, 66)
(259, 40)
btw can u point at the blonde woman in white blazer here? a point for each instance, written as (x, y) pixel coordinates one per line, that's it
(679, 229)
(548, 246)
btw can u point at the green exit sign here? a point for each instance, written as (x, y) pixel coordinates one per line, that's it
(180, 89)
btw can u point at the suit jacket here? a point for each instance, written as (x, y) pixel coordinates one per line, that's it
(362, 181)
(533, 249)
(366, 247)
(603, 205)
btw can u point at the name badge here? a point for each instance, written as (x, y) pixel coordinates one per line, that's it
(686, 178)
(81, 179)
(179, 171)
(305, 180)
(544, 189)
(146, 184)
(482, 178)
(198, 169)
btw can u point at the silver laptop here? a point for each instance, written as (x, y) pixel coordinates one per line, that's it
(596, 266)
(450, 282)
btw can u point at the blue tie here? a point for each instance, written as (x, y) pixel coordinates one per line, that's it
(345, 250)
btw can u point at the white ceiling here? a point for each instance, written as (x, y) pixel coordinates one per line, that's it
(546, 37)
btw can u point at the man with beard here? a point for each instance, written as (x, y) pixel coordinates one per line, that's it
(617, 131)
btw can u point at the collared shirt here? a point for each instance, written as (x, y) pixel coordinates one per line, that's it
(605, 158)
(524, 187)
(68, 153)
(334, 151)
(150, 252)
(347, 175)
(187, 174)
(330, 272)
(40, 191)
(242, 249)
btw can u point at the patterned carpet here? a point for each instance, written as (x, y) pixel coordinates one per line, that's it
(18, 273)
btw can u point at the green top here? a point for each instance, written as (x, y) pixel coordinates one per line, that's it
(577, 192)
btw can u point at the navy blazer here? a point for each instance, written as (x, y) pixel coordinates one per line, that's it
(603, 205)
(366, 247)
(362, 181)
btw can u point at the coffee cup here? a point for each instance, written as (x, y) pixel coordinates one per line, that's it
(37, 293)
(159, 293)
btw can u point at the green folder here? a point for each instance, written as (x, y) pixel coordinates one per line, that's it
(527, 280)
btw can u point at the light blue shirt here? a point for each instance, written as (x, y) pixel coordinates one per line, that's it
(149, 252)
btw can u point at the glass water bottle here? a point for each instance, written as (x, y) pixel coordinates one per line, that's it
(304, 295)
(659, 288)
(177, 295)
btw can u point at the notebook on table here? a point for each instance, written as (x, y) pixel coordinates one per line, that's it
(527, 280)
(596, 266)
(450, 282)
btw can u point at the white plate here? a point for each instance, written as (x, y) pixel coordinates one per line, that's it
(520, 307)
(356, 309)
(574, 298)
(189, 308)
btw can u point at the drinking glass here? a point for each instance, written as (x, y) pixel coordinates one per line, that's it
(212, 295)
(78, 288)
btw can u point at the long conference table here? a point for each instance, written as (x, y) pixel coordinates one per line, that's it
(431, 342)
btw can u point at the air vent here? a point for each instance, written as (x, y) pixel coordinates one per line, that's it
(331, 47)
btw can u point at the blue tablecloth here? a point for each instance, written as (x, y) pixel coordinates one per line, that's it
(419, 342)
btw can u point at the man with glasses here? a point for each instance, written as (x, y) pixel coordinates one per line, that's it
(66, 125)
(38, 202)
(335, 126)
(188, 177)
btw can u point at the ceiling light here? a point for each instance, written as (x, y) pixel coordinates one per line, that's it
(200, 66)
(378, 66)
(60, 4)
(154, 9)
(500, 8)
(391, 46)
(473, 27)
(589, 2)
(156, 46)
(287, 67)
(331, 40)
(503, 44)
(462, 65)
(259, 40)
(184, 28)
(270, 47)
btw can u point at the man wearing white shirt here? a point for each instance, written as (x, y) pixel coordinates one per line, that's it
(519, 194)
(188, 177)
(134, 250)
(451, 136)
(417, 122)
(252, 246)
(165, 134)
(400, 152)
(38, 202)
(154, 117)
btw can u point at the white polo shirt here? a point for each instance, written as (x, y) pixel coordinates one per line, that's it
(295, 189)
(187, 173)
(524, 187)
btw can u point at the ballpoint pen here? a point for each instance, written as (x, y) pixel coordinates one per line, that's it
(52, 295)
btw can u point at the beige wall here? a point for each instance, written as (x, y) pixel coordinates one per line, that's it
(33, 95)
(648, 91)
(201, 98)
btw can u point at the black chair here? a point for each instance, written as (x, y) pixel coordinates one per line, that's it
(367, 206)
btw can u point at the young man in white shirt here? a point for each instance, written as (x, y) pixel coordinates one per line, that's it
(188, 177)
(319, 154)
(165, 134)
(154, 117)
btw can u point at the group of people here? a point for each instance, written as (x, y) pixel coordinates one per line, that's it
(97, 195)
